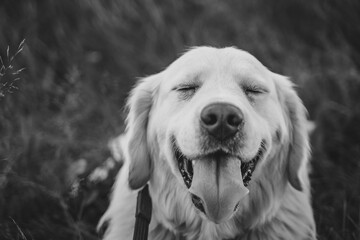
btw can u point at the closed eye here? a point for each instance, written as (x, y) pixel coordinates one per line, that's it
(186, 91)
(187, 88)
(252, 91)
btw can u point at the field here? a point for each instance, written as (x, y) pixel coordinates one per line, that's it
(72, 73)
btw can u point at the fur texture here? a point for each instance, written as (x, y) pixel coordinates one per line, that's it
(164, 111)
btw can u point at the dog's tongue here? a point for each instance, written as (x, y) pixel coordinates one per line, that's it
(218, 183)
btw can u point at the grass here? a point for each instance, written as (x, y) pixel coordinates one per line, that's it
(8, 75)
(82, 57)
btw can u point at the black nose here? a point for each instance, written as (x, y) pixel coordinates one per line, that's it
(221, 120)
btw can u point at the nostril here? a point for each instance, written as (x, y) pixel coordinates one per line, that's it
(198, 202)
(209, 119)
(234, 120)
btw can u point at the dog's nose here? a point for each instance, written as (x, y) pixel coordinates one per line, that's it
(221, 120)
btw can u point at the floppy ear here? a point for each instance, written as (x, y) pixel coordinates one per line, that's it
(139, 106)
(296, 121)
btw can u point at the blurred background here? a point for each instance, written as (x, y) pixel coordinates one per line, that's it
(82, 57)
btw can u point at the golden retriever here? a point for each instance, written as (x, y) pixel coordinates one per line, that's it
(222, 143)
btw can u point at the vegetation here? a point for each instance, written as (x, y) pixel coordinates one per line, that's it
(82, 57)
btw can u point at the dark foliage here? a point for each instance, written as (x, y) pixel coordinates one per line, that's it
(82, 57)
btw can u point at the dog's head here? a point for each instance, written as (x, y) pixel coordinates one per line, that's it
(223, 123)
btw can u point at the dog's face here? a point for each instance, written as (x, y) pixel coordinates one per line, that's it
(216, 115)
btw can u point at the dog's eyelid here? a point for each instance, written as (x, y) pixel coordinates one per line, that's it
(186, 90)
(186, 87)
(255, 89)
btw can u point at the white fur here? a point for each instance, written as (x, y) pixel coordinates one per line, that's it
(278, 204)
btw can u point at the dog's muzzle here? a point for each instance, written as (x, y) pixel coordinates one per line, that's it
(217, 180)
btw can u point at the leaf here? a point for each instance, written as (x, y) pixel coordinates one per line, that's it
(2, 71)
(21, 45)
(18, 71)
(17, 52)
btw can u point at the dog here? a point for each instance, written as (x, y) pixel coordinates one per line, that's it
(222, 143)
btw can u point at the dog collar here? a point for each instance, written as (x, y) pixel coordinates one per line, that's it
(142, 214)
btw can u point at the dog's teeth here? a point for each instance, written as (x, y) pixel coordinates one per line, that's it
(193, 162)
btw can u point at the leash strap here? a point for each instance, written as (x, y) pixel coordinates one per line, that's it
(143, 214)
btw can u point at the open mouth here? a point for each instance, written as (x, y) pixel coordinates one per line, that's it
(247, 168)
